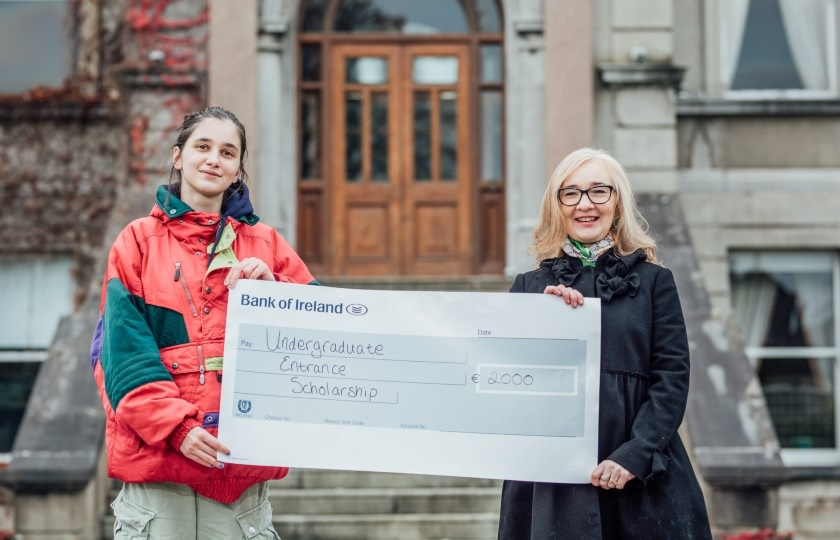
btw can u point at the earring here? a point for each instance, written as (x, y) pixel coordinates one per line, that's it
(615, 223)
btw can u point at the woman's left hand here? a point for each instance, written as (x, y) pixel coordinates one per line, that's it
(250, 268)
(571, 296)
(610, 475)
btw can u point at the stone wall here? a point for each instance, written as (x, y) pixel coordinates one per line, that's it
(635, 101)
(810, 508)
(60, 165)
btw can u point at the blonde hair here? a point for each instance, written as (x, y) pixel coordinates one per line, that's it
(630, 231)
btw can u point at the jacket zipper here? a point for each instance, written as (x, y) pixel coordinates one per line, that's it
(186, 289)
(200, 366)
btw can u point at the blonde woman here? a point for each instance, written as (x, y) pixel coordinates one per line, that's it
(591, 241)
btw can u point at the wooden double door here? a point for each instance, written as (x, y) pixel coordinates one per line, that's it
(400, 169)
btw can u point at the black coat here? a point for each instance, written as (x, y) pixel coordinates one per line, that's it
(644, 387)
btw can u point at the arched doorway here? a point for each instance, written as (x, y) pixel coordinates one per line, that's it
(400, 162)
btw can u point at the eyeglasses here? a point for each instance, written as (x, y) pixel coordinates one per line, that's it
(597, 194)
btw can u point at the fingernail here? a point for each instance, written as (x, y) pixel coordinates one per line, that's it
(228, 453)
(221, 465)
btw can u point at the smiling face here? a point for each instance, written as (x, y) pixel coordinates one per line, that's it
(209, 162)
(587, 222)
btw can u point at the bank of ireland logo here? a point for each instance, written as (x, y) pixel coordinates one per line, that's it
(356, 309)
(244, 406)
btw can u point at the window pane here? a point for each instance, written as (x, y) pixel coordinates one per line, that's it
(784, 299)
(366, 70)
(310, 147)
(33, 44)
(434, 70)
(491, 63)
(422, 137)
(313, 15)
(310, 62)
(800, 397)
(784, 45)
(401, 16)
(16, 380)
(353, 136)
(379, 137)
(45, 286)
(765, 60)
(491, 136)
(489, 19)
(448, 136)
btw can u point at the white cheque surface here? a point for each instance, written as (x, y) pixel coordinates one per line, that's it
(487, 385)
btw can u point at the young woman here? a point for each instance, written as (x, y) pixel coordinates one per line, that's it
(157, 351)
(591, 242)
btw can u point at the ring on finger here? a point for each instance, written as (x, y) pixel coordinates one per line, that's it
(605, 477)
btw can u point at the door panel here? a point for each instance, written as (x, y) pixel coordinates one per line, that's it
(400, 181)
(367, 226)
(435, 230)
(437, 197)
(363, 187)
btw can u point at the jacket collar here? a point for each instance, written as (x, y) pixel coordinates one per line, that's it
(237, 203)
(614, 276)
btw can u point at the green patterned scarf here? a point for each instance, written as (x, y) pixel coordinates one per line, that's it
(587, 254)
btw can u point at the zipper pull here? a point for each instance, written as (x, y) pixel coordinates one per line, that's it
(177, 270)
(200, 366)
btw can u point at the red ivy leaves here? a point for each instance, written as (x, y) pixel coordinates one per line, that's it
(764, 534)
(153, 31)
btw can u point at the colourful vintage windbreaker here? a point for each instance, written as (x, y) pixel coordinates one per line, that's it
(157, 351)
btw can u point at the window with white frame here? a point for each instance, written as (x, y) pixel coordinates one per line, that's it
(778, 48)
(33, 44)
(786, 303)
(37, 291)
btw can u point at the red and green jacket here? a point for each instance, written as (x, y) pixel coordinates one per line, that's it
(157, 351)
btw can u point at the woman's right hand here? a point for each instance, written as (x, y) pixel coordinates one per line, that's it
(572, 297)
(201, 447)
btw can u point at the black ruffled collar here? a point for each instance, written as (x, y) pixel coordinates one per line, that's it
(614, 277)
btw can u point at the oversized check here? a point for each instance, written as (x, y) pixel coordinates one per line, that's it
(487, 385)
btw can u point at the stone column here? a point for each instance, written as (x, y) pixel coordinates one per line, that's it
(524, 127)
(277, 189)
(232, 60)
(569, 61)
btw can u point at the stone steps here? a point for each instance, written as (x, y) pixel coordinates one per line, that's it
(462, 500)
(323, 479)
(472, 526)
(318, 504)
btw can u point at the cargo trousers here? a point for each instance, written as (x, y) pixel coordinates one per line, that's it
(166, 511)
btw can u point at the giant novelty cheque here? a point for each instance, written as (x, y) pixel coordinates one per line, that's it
(485, 385)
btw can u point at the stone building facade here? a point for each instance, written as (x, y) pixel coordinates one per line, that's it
(736, 171)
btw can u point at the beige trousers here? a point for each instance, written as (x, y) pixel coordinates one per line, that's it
(166, 511)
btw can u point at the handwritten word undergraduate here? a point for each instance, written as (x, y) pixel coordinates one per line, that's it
(319, 347)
